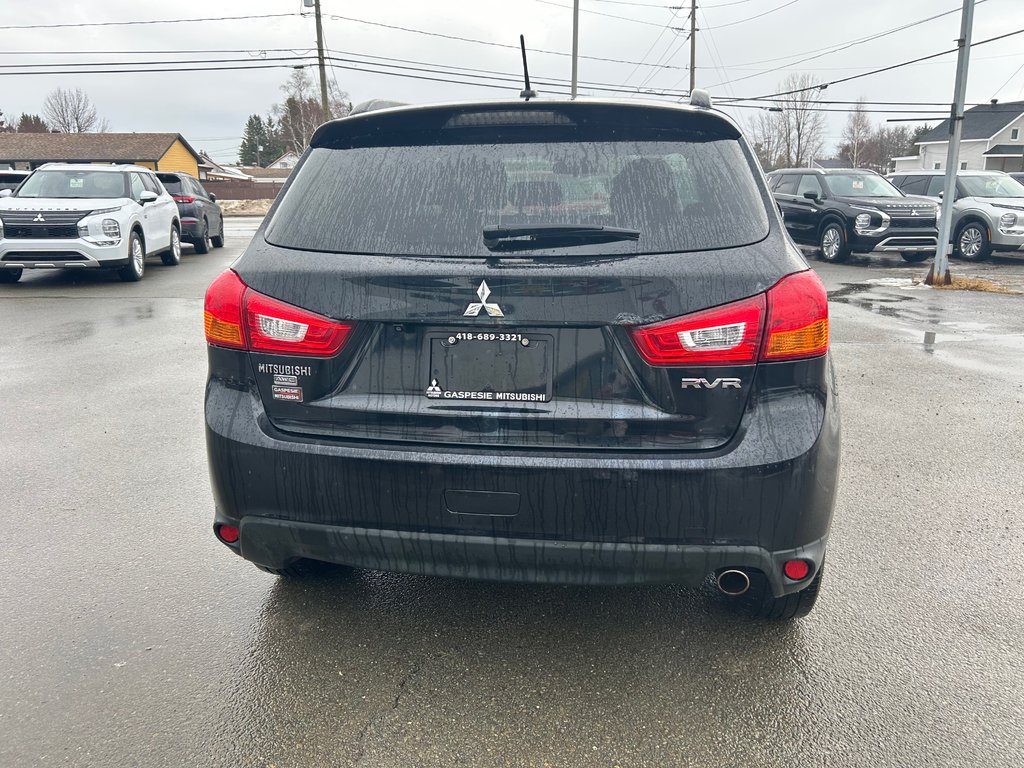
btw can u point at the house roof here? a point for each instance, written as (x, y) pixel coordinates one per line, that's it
(982, 122)
(89, 147)
(265, 173)
(1006, 150)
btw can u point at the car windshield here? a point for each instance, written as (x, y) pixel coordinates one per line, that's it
(74, 184)
(437, 200)
(861, 185)
(991, 186)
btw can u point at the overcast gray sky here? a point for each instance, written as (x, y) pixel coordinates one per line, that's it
(209, 109)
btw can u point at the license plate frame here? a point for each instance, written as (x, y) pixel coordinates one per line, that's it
(521, 366)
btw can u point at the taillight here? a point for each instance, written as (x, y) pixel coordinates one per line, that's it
(726, 335)
(222, 311)
(236, 316)
(797, 325)
(183, 199)
(787, 322)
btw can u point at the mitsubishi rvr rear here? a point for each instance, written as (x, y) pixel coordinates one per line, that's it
(544, 341)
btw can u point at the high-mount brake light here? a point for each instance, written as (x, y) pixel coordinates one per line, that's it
(787, 322)
(238, 317)
(797, 325)
(222, 311)
(726, 335)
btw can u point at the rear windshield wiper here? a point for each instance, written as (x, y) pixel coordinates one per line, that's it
(528, 238)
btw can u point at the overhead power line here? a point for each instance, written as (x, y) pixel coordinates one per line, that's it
(607, 15)
(748, 18)
(146, 21)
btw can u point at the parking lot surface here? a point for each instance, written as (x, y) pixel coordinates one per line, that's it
(131, 637)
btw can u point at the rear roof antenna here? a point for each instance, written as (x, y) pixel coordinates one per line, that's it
(527, 93)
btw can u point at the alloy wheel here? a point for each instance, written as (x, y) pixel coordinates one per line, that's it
(970, 242)
(138, 256)
(830, 243)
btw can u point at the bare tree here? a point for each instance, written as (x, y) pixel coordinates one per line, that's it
(72, 111)
(765, 132)
(856, 136)
(301, 111)
(802, 125)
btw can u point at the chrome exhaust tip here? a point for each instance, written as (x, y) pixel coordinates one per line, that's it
(733, 582)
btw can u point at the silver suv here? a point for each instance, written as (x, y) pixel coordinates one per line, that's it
(87, 217)
(988, 210)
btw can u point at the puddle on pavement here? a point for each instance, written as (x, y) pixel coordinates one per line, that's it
(867, 296)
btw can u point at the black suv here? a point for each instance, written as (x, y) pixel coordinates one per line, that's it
(202, 221)
(559, 342)
(853, 211)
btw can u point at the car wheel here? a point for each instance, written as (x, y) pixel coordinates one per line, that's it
(972, 242)
(203, 243)
(762, 604)
(172, 256)
(915, 257)
(218, 240)
(10, 275)
(833, 243)
(133, 271)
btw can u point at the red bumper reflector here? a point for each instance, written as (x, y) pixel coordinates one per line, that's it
(797, 570)
(227, 533)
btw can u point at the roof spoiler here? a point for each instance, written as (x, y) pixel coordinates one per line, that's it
(374, 104)
(700, 98)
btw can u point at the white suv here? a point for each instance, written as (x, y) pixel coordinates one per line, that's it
(988, 210)
(87, 216)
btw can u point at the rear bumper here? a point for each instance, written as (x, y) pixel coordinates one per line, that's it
(600, 517)
(276, 543)
(191, 229)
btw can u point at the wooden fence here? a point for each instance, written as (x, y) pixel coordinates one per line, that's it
(244, 190)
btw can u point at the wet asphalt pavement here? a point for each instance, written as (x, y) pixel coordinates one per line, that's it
(130, 637)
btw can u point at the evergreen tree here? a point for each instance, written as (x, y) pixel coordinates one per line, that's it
(31, 124)
(254, 139)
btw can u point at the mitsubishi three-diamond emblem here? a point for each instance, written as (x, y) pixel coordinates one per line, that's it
(39, 217)
(475, 306)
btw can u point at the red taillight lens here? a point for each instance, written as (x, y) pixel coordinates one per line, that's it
(726, 335)
(229, 534)
(269, 325)
(797, 324)
(793, 315)
(183, 199)
(274, 326)
(222, 312)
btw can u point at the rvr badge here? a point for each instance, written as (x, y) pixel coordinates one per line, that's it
(703, 383)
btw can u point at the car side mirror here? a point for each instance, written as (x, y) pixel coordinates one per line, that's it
(148, 197)
(812, 195)
(941, 193)
(5, 193)
(213, 198)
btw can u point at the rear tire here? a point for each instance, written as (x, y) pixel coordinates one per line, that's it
(762, 604)
(915, 257)
(832, 243)
(133, 271)
(202, 245)
(972, 242)
(172, 256)
(218, 240)
(10, 275)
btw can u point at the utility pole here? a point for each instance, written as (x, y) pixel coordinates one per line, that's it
(939, 273)
(693, 45)
(575, 43)
(323, 67)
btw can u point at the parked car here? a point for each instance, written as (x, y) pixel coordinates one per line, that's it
(853, 210)
(9, 180)
(88, 217)
(421, 365)
(988, 210)
(202, 221)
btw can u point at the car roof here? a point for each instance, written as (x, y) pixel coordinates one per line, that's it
(943, 173)
(92, 167)
(825, 171)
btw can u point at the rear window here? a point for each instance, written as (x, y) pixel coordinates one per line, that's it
(172, 184)
(435, 200)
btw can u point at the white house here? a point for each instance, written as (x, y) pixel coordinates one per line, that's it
(288, 160)
(992, 139)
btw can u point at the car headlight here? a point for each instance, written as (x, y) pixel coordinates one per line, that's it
(1007, 220)
(863, 220)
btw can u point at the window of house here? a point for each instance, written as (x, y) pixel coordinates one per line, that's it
(1015, 134)
(963, 166)
(937, 166)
